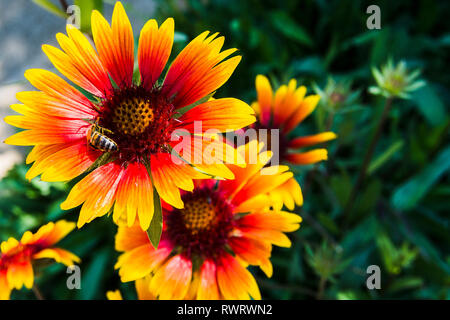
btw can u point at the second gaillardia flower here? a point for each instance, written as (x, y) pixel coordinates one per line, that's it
(205, 247)
(283, 110)
(127, 124)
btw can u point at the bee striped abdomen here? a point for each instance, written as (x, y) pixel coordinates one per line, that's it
(99, 141)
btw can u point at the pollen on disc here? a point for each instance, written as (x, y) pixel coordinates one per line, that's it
(198, 214)
(133, 115)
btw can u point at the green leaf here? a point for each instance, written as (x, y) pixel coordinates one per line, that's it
(155, 230)
(51, 7)
(91, 278)
(405, 283)
(430, 105)
(287, 26)
(370, 194)
(196, 103)
(86, 8)
(412, 191)
(384, 157)
(427, 248)
(341, 184)
(328, 222)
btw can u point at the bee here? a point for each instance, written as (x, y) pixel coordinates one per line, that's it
(97, 138)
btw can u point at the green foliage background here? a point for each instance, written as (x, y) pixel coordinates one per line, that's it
(400, 217)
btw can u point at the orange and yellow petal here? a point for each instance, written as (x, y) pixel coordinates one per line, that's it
(55, 106)
(171, 281)
(254, 158)
(128, 238)
(208, 288)
(254, 252)
(288, 194)
(256, 203)
(83, 58)
(114, 295)
(32, 118)
(287, 100)
(265, 97)
(134, 196)
(209, 154)
(20, 274)
(55, 87)
(45, 131)
(262, 183)
(59, 255)
(5, 290)
(64, 64)
(143, 289)
(115, 44)
(140, 258)
(61, 162)
(222, 115)
(140, 261)
(193, 286)
(49, 234)
(311, 140)
(199, 70)
(169, 175)
(166, 180)
(269, 226)
(305, 108)
(8, 245)
(308, 157)
(97, 190)
(235, 281)
(155, 45)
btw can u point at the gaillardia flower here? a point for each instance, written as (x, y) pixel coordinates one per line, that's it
(205, 247)
(283, 111)
(126, 129)
(17, 257)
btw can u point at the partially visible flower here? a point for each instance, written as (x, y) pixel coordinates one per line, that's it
(326, 260)
(142, 290)
(395, 80)
(17, 257)
(114, 295)
(336, 94)
(128, 128)
(205, 247)
(284, 110)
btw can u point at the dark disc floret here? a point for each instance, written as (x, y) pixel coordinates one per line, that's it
(140, 121)
(202, 228)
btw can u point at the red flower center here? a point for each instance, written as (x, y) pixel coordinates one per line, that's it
(20, 254)
(203, 227)
(139, 121)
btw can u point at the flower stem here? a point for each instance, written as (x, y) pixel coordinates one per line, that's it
(367, 158)
(330, 121)
(37, 293)
(321, 289)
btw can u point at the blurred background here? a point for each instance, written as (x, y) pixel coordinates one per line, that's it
(399, 216)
